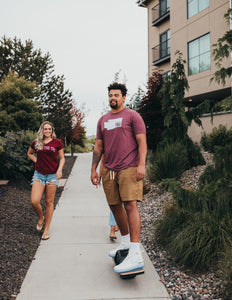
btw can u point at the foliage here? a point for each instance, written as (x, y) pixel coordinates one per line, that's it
(176, 119)
(223, 105)
(150, 110)
(226, 267)
(136, 99)
(76, 149)
(222, 49)
(14, 160)
(172, 93)
(168, 162)
(24, 60)
(57, 104)
(199, 227)
(18, 109)
(77, 134)
(220, 136)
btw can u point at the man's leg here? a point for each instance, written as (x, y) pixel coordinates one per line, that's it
(121, 220)
(134, 220)
(120, 217)
(134, 259)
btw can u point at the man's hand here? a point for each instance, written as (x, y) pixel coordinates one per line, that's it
(140, 173)
(95, 178)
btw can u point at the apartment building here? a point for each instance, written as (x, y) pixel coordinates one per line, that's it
(192, 27)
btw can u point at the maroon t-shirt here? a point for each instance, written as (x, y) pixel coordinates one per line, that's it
(118, 131)
(47, 162)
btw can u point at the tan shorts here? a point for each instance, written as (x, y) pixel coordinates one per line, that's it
(121, 185)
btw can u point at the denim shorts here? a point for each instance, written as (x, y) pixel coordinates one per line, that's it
(45, 179)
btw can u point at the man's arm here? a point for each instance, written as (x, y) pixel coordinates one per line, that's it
(142, 148)
(97, 153)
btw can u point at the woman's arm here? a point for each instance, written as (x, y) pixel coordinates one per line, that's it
(61, 164)
(31, 155)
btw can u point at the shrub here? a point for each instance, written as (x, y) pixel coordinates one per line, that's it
(218, 137)
(226, 274)
(14, 160)
(173, 135)
(198, 228)
(77, 149)
(224, 105)
(168, 162)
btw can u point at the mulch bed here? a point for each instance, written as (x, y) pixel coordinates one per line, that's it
(19, 239)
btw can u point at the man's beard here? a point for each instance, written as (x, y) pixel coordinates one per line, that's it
(114, 106)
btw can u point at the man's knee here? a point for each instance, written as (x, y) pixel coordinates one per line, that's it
(130, 206)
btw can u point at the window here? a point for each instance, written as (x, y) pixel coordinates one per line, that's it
(199, 55)
(195, 6)
(164, 7)
(165, 44)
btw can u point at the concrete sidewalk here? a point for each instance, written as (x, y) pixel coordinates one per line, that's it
(74, 263)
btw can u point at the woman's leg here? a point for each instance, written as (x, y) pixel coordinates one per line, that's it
(36, 195)
(112, 219)
(49, 201)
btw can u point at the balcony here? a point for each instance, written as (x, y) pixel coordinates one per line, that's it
(160, 13)
(161, 53)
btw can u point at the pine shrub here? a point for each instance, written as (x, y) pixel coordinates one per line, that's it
(220, 136)
(168, 162)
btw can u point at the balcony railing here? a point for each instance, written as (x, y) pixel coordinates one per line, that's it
(161, 53)
(160, 12)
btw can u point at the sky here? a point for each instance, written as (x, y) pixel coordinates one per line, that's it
(89, 42)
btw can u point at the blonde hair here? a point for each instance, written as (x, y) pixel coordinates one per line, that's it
(40, 137)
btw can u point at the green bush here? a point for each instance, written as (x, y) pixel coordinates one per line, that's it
(14, 160)
(198, 228)
(220, 136)
(224, 105)
(175, 135)
(226, 274)
(168, 162)
(77, 149)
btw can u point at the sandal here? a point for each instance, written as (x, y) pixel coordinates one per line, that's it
(112, 233)
(45, 236)
(39, 226)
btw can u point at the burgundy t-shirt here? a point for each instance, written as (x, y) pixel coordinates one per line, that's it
(47, 162)
(118, 131)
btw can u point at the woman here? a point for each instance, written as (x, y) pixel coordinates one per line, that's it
(47, 173)
(112, 222)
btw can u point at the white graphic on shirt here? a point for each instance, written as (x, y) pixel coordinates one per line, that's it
(112, 124)
(49, 148)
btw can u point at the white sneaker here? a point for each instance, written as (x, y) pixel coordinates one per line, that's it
(122, 246)
(132, 262)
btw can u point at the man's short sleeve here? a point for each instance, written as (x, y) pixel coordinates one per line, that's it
(99, 131)
(138, 124)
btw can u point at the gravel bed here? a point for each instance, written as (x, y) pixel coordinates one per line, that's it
(180, 283)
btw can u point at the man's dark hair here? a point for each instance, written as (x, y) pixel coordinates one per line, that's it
(118, 86)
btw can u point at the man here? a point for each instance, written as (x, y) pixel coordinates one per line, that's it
(121, 136)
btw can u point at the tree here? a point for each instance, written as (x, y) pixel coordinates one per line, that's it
(222, 49)
(77, 134)
(57, 104)
(24, 60)
(150, 110)
(176, 119)
(18, 110)
(136, 99)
